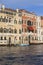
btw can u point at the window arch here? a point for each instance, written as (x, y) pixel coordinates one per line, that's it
(1, 30)
(20, 31)
(5, 30)
(10, 30)
(1, 38)
(4, 38)
(29, 23)
(15, 21)
(20, 21)
(15, 30)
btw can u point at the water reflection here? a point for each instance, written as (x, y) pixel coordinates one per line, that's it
(28, 55)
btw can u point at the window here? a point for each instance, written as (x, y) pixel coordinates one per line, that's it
(19, 38)
(34, 23)
(15, 21)
(4, 38)
(15, 31)
(15, 37)
(6, 12)
(1, 38)
(5, 30)
(22, 29)
(9, 13)
(25, 22)
(19, 31)
(9, 20)
(42, 33)
(14, 13)
(32, 38)
(6, 20)
(32, 31)
(35, 31)
(29, 31)
(10, 30)
(29, 23)
(1, 30)
(19, 14)
(25, 30)
(26, 38)
(1, 18)
(36, 38)
(20, 22)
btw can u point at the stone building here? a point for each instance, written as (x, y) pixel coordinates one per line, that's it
(19, 26)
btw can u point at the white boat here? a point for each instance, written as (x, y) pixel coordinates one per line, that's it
(24, 44)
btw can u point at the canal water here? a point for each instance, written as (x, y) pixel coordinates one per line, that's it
(27, 55)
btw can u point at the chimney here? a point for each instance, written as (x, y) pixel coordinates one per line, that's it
(17, 10)
(2, 6)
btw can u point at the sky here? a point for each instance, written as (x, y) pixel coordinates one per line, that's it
(35, 6)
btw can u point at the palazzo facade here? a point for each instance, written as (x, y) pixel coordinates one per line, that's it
(19, 27)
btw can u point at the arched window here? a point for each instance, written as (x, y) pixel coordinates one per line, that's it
(5, 30)
(1, 18)
(1, 30)
(10, 30)
(32, 38)
(26, 38)
(29, 23)
(15, 31)
(9, 20)
(25, 30)
(1, 38)
(15, 21)
(19, 38)
(20, 21)
(4, 38)
(36, 38)
(4, 19)
(20, 31)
